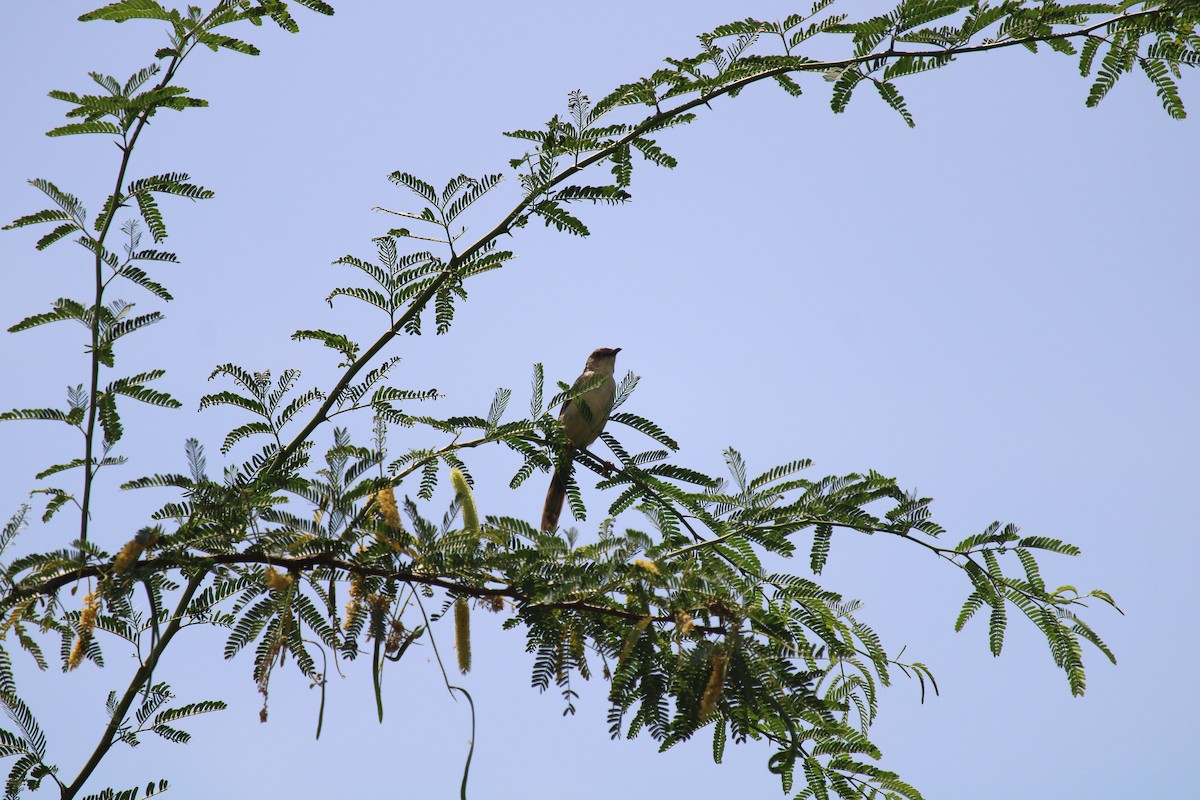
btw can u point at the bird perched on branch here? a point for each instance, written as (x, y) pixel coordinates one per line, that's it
(582, 419)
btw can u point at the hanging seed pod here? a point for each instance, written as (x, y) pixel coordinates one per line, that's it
(462, 634)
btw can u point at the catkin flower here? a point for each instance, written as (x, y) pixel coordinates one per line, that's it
(354, 604)
(90, 613)
(462, 634)
(632, 640)
(134, 548)
(647, 565)
(379, 604)
(87, 624)
(684, 622)
(716, 684)
(277, 580)
(385, 498)
(470, 513)
(76, 657)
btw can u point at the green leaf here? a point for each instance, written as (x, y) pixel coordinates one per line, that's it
(654, 154)
(190, 710)
(110, 420)
(124, 10)
(57, 499)
(1165, 87)
(320, 6)
(125, 327)
(85, 127)
(893, 98)
(643, 425)
(843, 89)
(415, 185)
(336, 341)
(64, 200)
(215, 42)
(149, 396)
(820, 548)
(499, 404)
(139, 276)
(1053, 545)
(973, 603)
(46, 215)
(790, 86)
(53, 236)
(232, 399)
(57, 468)
(996, 626)
(369, 296)
(554, 214)
(596, 194)
(46, 414)
(535, 401)
(151, 215)
(476, 190)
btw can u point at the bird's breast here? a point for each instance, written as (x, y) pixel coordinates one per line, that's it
(582, 429)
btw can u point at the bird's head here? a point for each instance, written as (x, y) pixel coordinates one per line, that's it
(603, 359)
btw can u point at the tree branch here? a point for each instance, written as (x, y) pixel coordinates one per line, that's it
(135, 685)
(418, 304)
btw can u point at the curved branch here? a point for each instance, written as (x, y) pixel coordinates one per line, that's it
(420, 301)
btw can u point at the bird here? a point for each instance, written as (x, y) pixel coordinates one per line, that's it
(582, 419)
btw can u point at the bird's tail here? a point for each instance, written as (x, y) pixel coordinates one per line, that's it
(555, 496)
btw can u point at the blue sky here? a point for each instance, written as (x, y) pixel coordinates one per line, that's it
(996, 307)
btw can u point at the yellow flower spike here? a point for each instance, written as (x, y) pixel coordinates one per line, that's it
(632, 639)
(278, 581)
(134, 548)
(385, 498)
(91, 611)
(87, 623)
(470, 513)
(380, 603)
(76, 657)
(647, 565)
(462, 634)
(355, 602)
(716, 685)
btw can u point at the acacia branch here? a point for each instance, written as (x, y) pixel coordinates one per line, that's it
(50, 586)
(141, 677)
(505, 225)
(129, 141)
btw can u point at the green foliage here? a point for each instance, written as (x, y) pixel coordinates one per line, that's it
(316, 557)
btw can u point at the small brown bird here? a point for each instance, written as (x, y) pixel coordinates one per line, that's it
(582, 427)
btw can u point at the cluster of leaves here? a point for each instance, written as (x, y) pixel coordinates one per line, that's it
(690, 625)
(689, 619)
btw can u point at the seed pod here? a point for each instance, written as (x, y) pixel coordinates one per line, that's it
(462, 634)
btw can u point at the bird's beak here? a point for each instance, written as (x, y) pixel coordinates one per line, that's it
(616, 350)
